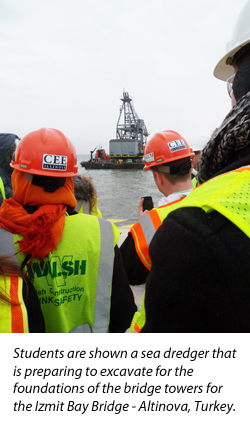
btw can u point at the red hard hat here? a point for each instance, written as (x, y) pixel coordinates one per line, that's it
(166, 146)
(46, 152)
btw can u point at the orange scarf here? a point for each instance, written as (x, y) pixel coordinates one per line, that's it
(43, 229)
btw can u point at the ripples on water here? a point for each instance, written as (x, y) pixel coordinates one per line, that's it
(119, 191)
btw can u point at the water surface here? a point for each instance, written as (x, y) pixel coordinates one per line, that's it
(119, 191)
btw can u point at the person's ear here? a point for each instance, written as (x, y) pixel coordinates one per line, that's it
(159, 177)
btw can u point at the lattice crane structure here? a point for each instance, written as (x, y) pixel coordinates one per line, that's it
(129, 126)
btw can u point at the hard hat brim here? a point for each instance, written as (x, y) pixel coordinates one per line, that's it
(49, 173)
(222, 71)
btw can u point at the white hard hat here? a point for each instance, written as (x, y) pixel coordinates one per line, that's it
(200, 142)
(240, 38)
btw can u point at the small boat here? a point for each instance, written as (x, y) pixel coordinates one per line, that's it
(106, 162)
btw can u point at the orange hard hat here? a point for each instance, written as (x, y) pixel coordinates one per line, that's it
(46, 152)
(164, 147)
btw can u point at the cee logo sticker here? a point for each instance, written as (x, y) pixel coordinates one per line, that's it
(176, 145)
(149, 157)
(54, 162)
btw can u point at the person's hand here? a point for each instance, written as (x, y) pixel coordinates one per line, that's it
(140, 209)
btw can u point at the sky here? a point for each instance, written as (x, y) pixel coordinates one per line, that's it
(66, 63)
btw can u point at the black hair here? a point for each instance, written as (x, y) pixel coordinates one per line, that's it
(240, 57)
(241, 83)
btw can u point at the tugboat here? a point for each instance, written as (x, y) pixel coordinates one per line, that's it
(127, 150)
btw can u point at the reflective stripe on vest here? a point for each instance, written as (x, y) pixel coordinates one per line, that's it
(2, 190)
(75, 280)
(105, 274)
(84, 208)
(13, 315)
(104, 282)
(144, 230)
(227, 194)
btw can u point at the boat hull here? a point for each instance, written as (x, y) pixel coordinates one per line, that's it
(93, 165)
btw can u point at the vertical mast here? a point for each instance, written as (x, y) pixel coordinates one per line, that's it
(132, 127)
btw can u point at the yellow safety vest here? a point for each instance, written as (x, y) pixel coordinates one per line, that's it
(74, 281)
(13, 315)
(194, 181)
(2, 190)
(228, 195)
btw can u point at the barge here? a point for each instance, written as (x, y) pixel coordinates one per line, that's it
(127, 150)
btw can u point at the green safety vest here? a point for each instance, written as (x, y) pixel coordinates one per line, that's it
(194, 182)
(13, 315)
(2, 190)
(74, 282)
(228, 195)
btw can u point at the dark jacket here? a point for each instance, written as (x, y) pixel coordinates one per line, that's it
(35, 316)
(5, 170)
(123, 305)
(200, 275)
(136, 271)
